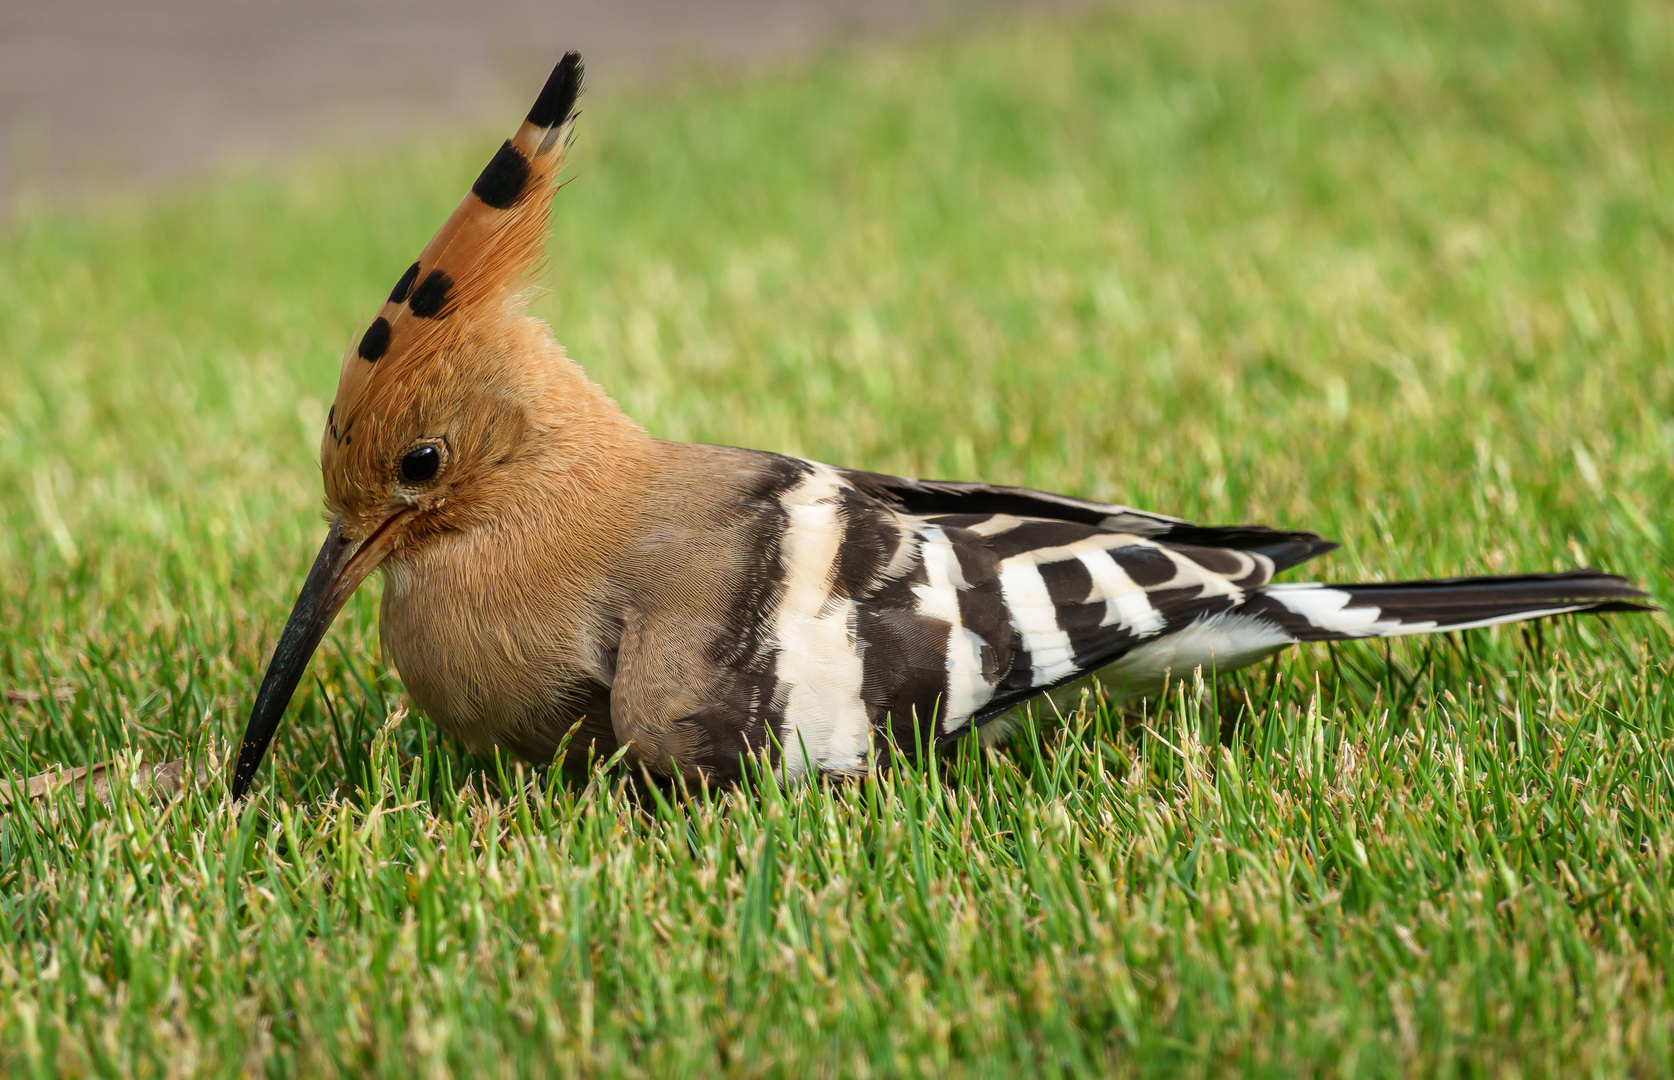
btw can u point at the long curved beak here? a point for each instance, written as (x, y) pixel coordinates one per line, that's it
(338, 570)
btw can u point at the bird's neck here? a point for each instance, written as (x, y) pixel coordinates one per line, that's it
(590, 466)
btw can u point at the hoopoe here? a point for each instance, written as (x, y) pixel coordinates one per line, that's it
(547, 562)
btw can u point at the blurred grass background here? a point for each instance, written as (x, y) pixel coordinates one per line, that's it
(1400, 272)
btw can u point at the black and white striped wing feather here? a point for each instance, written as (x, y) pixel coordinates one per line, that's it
(899, 613)
(894, 620)
(1030, 604)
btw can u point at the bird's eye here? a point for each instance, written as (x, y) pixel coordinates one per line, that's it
(420, 464)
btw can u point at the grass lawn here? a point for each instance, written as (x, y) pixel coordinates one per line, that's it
(1401, 272)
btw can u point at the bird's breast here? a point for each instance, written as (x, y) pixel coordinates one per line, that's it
(496, 658)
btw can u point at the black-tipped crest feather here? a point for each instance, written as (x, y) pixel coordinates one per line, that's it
(558, 97)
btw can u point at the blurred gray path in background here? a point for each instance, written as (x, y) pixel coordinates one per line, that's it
(114, 95)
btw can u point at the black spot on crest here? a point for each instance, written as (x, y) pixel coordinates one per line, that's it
(558, 97)
(503, 179)
(431, 297)
(398, 295)
(375, 342)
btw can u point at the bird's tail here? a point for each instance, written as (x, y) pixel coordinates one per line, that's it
(1316, 612)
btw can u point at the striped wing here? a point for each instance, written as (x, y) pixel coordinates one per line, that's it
(897, 617)
(882, 613)
(1072, 598)
(1016, 606)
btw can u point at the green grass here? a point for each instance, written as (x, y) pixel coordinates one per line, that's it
(1399, 272)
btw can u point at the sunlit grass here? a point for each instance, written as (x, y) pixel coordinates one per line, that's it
(1402, 273)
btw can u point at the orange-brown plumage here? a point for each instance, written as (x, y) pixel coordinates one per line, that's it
(532, 457)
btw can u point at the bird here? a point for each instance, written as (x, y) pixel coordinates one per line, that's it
(554, 577)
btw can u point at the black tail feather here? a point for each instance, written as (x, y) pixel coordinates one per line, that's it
(1390, 609)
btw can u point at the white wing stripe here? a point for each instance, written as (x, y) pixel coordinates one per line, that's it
(1125, 603)
(818, 665)
(1036, 619)
(938, 598)
(1329, 609)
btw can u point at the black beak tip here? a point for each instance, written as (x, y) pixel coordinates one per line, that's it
(254, 747)
(242, 776)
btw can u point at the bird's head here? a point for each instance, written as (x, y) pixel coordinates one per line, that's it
(443, 398)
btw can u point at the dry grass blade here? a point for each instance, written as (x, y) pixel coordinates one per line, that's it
(156, 782)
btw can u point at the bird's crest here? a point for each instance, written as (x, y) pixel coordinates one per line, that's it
(473, 269)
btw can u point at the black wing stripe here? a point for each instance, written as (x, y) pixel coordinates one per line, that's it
(950, 498)
(1145, 564)
(1038, 536)
(1080, 607)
